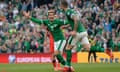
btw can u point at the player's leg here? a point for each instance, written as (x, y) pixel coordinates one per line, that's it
(85, 41)
(52, 50)
(53, 58)
(72, 41)
(69, 50)
(68, 58)
(56, 63)
(58, 51)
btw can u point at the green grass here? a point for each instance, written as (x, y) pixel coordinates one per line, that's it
(93, 67)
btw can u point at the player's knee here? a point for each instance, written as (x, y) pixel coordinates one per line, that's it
(56, 52)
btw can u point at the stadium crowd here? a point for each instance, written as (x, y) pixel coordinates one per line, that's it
(19, 35)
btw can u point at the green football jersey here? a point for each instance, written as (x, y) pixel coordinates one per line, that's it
(53, 27)
(69, 14)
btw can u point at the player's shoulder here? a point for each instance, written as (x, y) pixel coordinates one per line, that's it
(69, 11)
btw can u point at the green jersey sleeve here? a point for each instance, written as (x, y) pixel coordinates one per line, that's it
(37, 20)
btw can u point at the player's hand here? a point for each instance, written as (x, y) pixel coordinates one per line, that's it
(73, 33)
(26, 14)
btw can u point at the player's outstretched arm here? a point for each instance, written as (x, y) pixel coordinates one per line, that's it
(27, 15)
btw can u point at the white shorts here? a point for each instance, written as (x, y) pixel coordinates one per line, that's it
(80, 37)
(59, 45)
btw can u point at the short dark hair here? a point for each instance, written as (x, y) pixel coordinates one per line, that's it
(51, 7)
(51, 11)
(64, 3)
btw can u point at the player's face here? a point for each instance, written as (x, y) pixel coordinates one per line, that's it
(51, 16)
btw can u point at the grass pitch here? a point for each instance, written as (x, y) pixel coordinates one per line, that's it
(79, 67)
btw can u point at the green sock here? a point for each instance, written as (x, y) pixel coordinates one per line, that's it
(60, 59)
(69, 56)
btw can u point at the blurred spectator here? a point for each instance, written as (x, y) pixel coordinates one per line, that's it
(19, 35)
